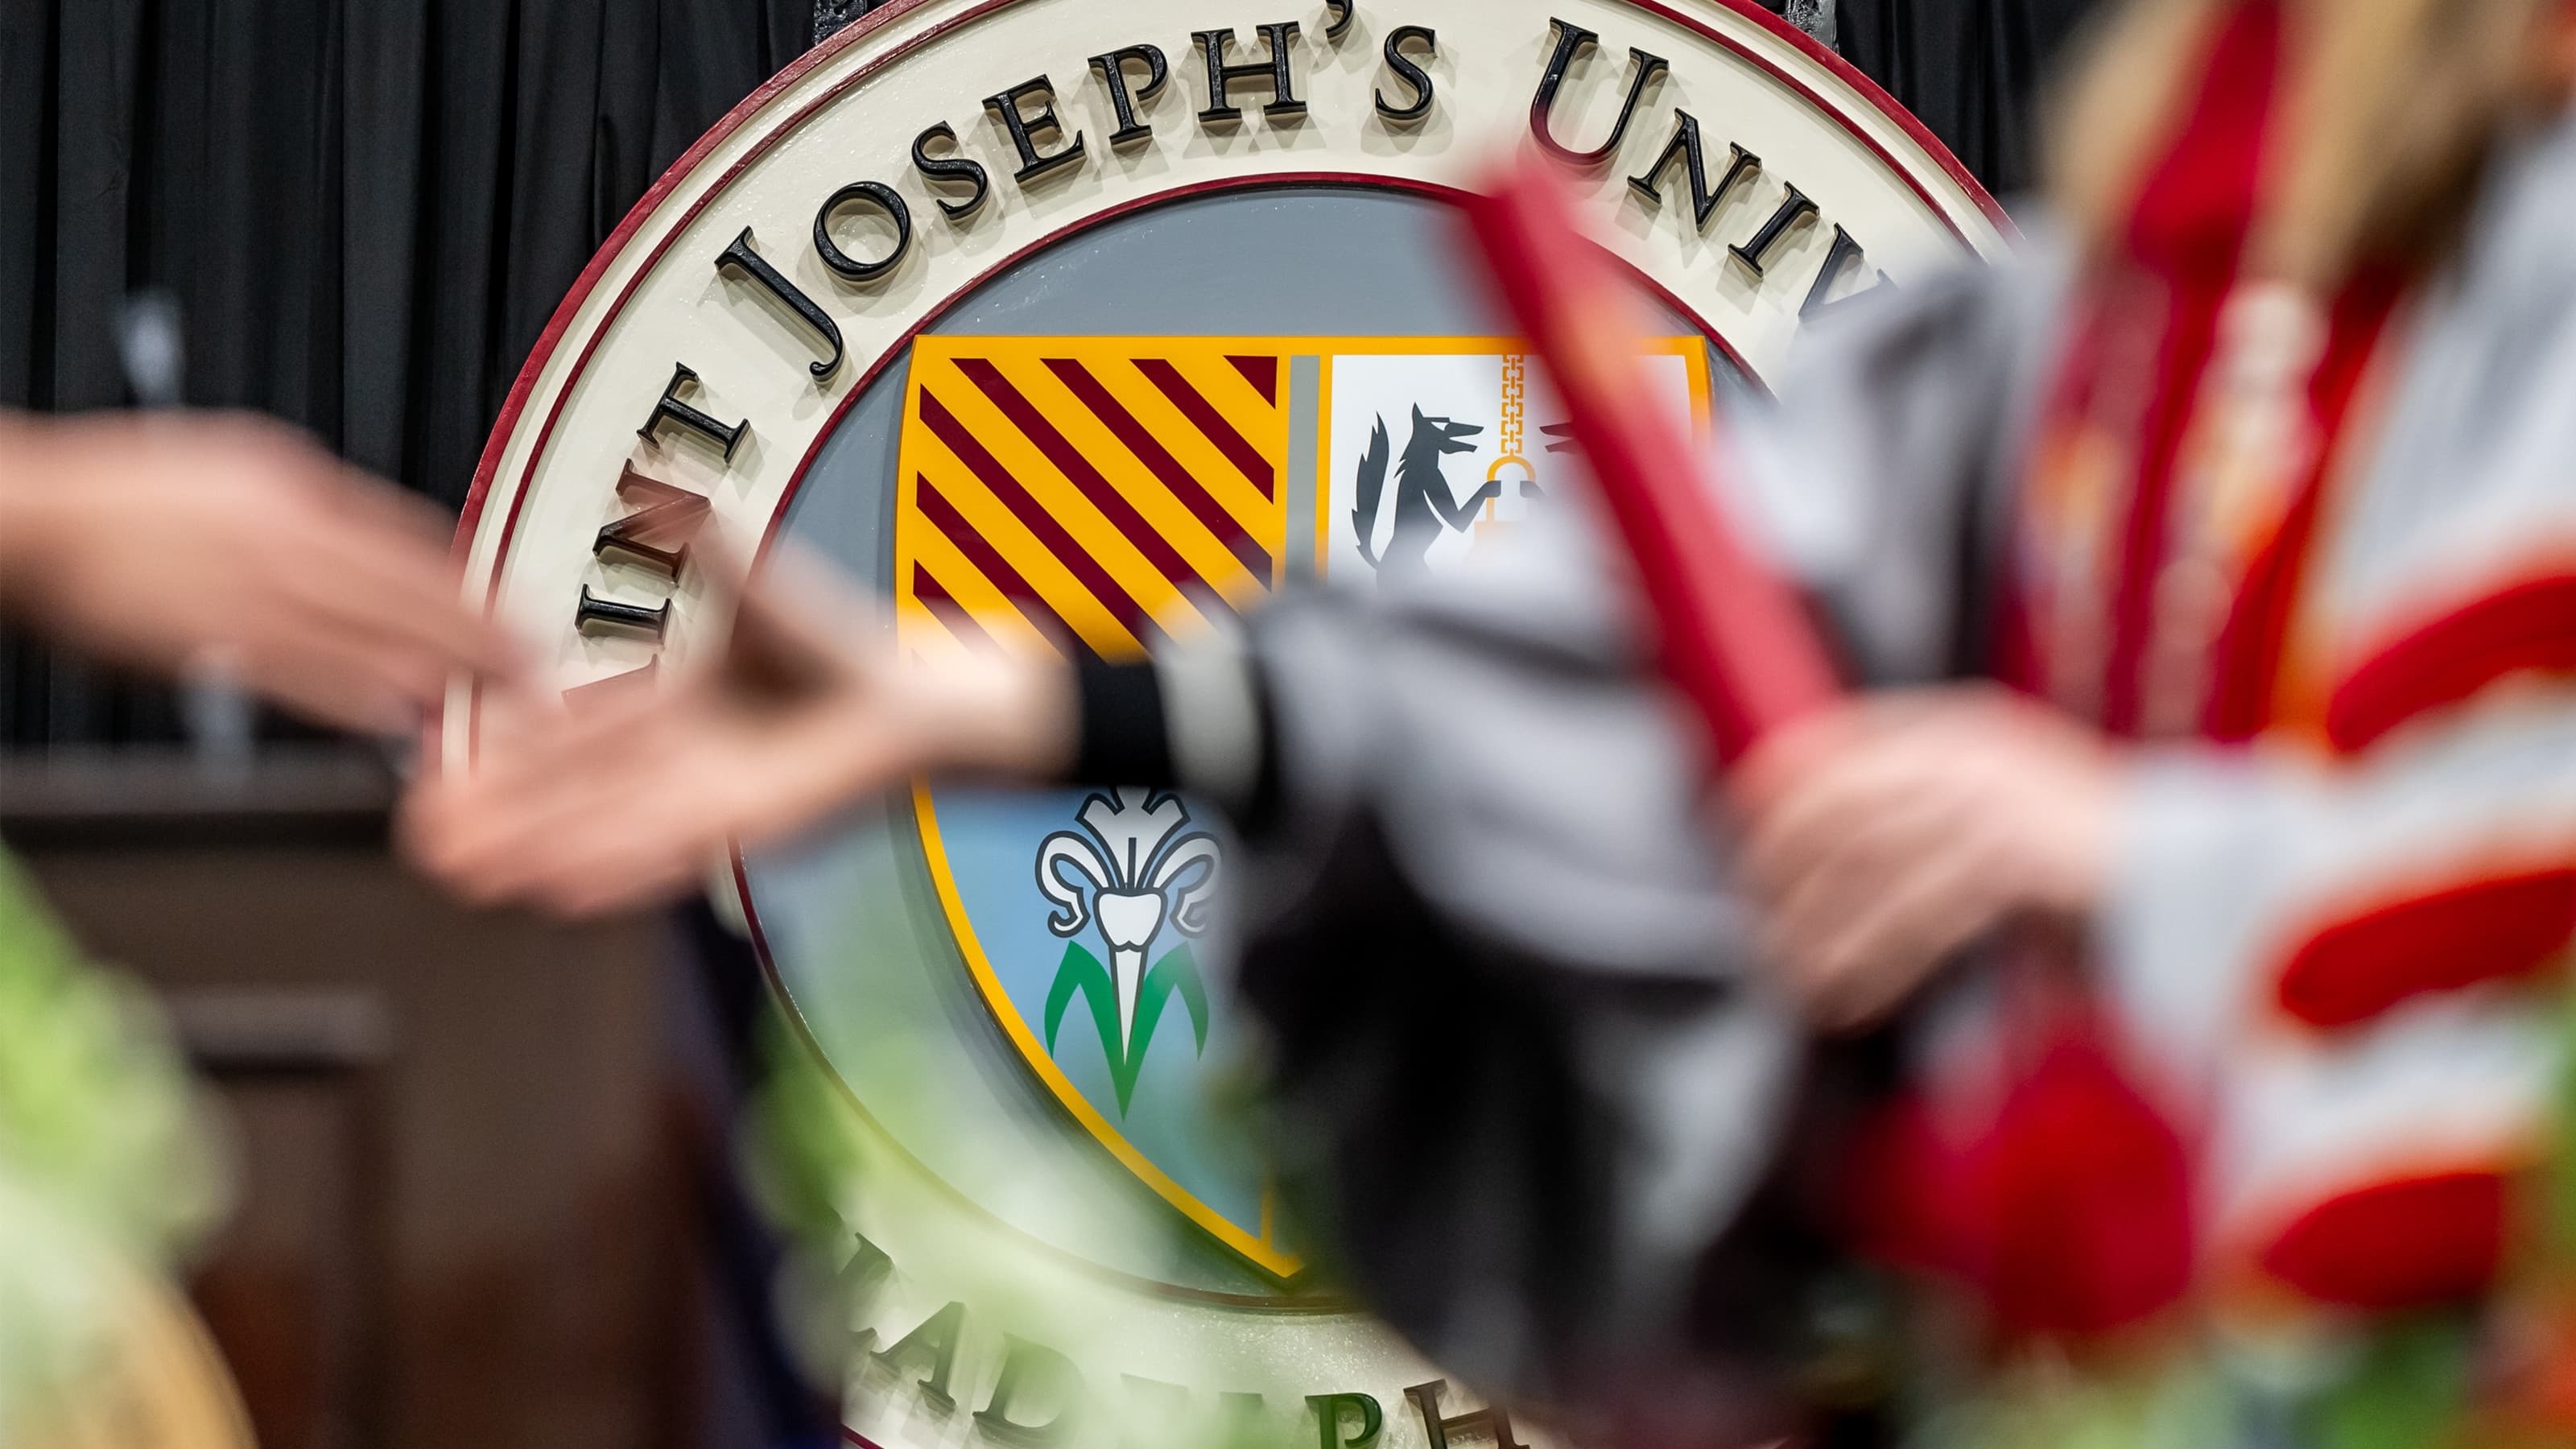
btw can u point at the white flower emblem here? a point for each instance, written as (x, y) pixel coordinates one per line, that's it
(1131, 867)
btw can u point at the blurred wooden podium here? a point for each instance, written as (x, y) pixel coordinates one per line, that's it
(463, 1201)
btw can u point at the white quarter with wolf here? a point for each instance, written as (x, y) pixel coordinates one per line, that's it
(1429, 452)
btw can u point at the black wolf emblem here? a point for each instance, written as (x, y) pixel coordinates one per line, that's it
(1424, 502)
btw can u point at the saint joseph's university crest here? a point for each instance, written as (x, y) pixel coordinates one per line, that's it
(1084, 328)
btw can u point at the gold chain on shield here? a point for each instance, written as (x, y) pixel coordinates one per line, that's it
(1515, 396)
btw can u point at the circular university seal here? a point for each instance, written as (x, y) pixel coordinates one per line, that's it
(1081, 327)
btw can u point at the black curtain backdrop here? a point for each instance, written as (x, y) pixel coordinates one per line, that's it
(1971, 69)
(367, 209)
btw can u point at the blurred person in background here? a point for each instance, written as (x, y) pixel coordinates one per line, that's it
(2159, 962)
(212, 547)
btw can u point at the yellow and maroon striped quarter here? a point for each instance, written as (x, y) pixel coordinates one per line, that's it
(1095, 494)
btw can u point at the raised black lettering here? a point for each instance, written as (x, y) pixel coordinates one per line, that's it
(670, 409)
(741, 258)
(658, 532)
(1426, 1399)
(958, 170)
(1275, 72)
(935, 1339)
(1031, 1371)
(884, 199)
(1839, 259)
(1573, 40)
(1794, 208)
(1024, 129)
(869, 1269)
(597, 615)
(1113, 74)
(1329, 1409)
(1685, 144)
(1411, 74)
(1344, 12)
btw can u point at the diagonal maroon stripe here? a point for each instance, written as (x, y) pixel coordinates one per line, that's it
(988, 561)
(950, 613)
(1078, 471)
(1050, 534)
(1245, 457)
(1262, 373)
(1079, 381)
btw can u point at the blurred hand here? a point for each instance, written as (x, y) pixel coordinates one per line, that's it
(622, 800)
(231, 544)
(1885, 836)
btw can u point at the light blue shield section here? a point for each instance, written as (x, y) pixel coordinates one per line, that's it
(992, 842)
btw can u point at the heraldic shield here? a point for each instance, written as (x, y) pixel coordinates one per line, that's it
(1105, 496)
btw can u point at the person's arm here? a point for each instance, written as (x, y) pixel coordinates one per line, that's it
(2333, 955)
(178, 542)
(2353, 953)
(796, 711)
